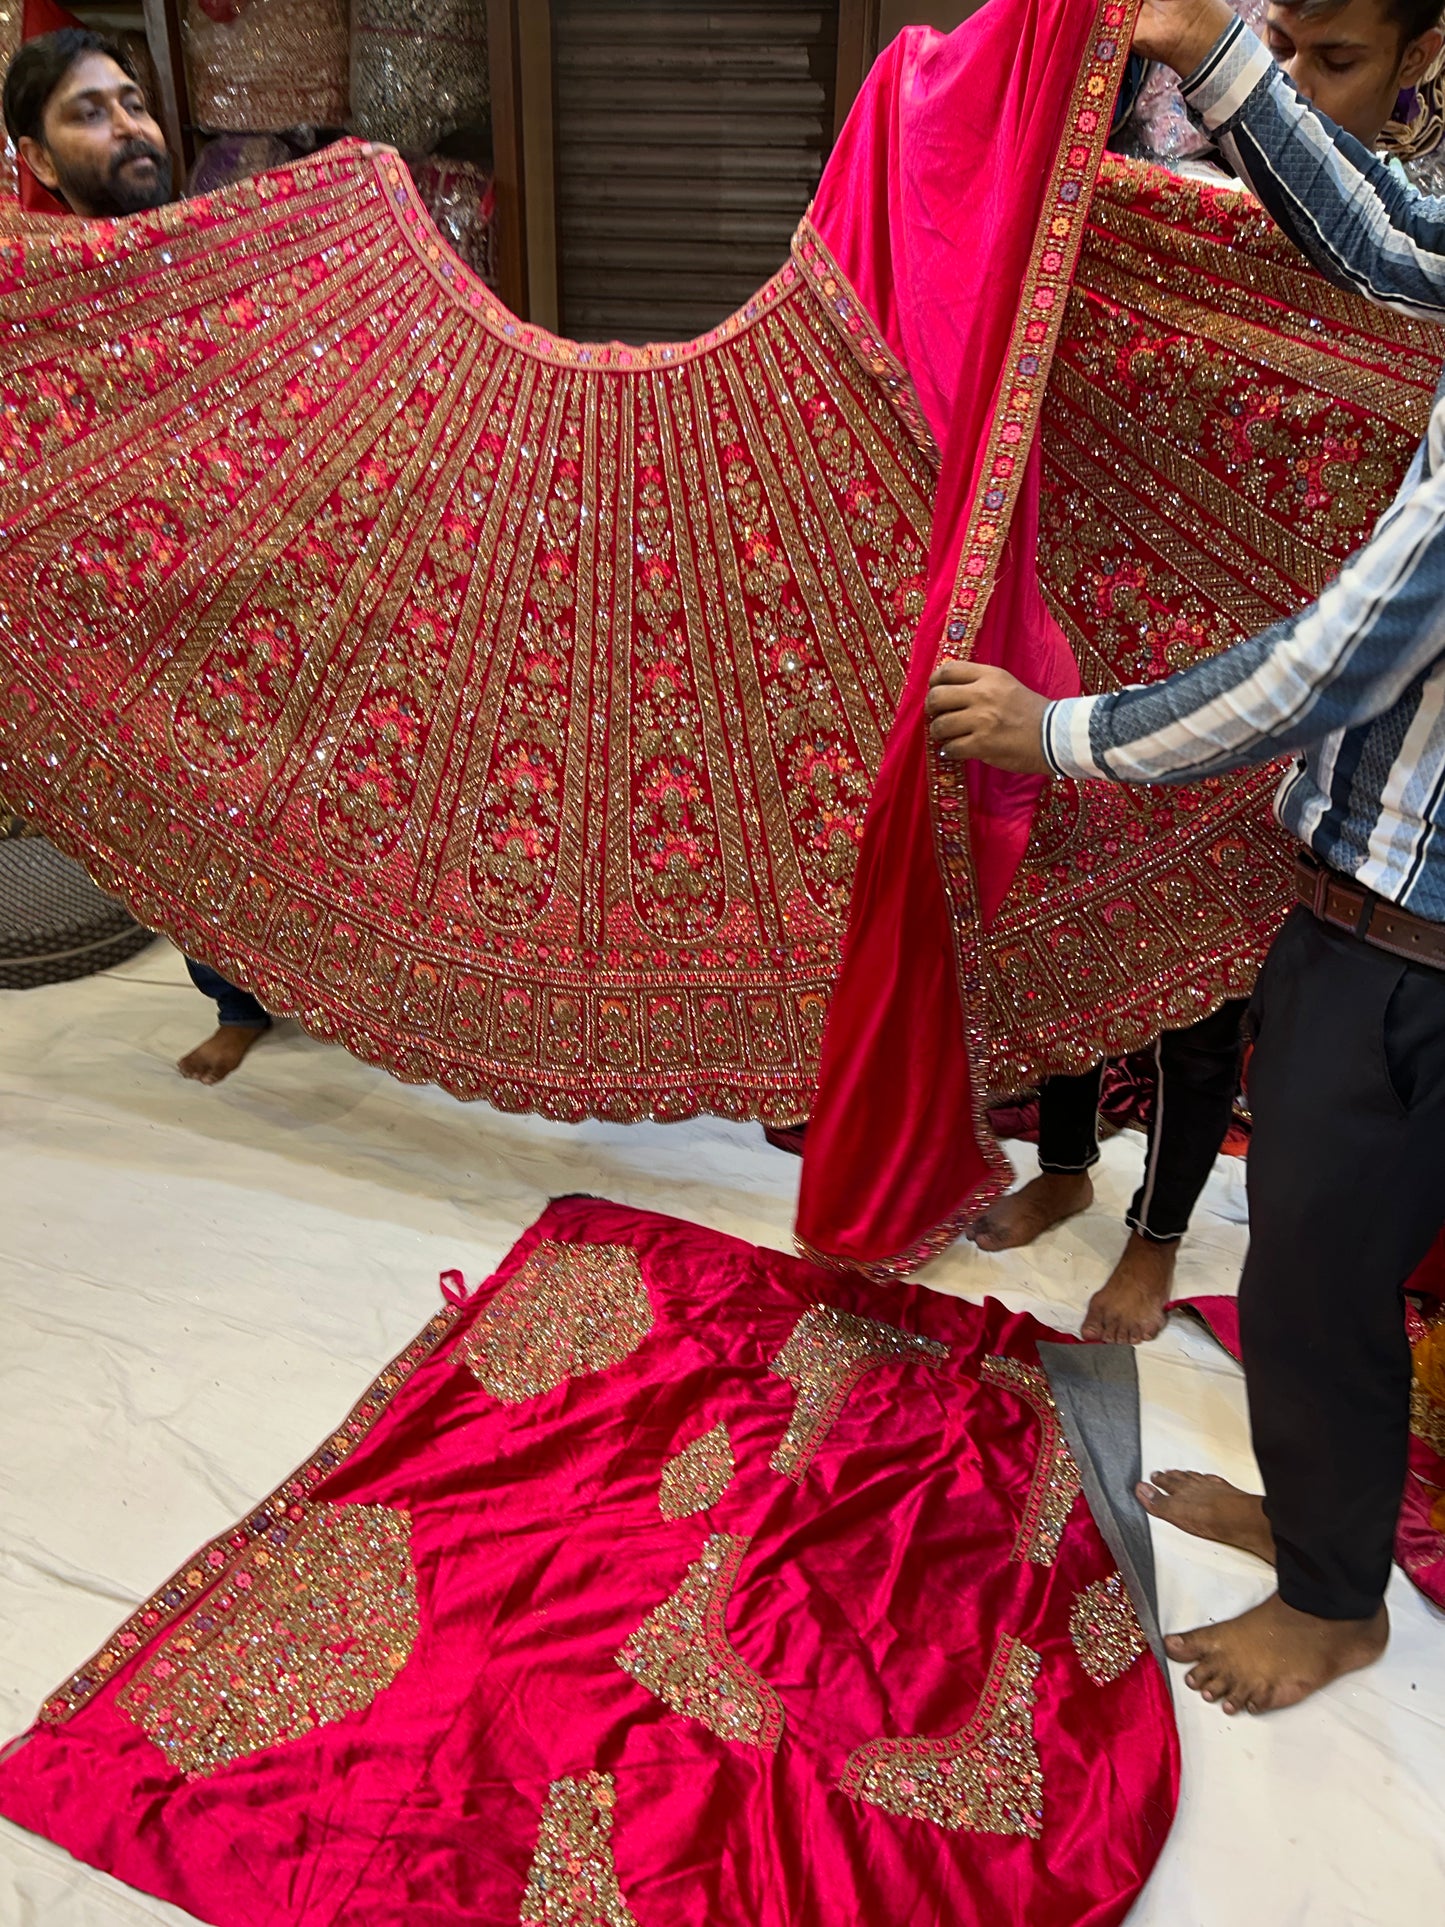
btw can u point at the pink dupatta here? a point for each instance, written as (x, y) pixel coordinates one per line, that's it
(989, 140)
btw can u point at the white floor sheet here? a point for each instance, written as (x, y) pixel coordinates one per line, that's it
(196, 1284)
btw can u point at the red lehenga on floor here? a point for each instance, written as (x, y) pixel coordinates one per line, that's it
(507, 708)
(665, 1580)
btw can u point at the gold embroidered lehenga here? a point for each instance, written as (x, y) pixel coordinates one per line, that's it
(508, 708)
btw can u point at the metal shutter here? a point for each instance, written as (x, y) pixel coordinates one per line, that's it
(690, 135)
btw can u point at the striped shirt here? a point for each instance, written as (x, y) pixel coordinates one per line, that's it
(1355, 684)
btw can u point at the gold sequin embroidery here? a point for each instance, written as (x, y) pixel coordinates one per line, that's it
(570, 1309)
(572, 1881)
(1056, 1483)
(825, 1356)
(1105, 1630)
(682, 1653)
(295, 1638)
(697, 1476)
(985, 1778)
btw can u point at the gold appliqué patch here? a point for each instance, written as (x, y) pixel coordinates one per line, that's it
(825, 1356)
(1056, 1484)
(983, 1779)
(682, 1653)
(570, 1309)
(697, 1476)
(1105, 1630)
(572, 1881)
(296, 1637)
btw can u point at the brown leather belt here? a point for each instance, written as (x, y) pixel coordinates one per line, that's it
(1349, 906)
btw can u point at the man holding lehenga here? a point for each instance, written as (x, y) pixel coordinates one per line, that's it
(1348, 1077)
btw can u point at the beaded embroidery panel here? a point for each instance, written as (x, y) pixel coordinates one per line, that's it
(697, 1476)
(271, 1524)
(570, 1309)
(826, 1354)
(1056, 1484)
(1105, 1630)
(301, 1633)
(682, 1653)
(505, 708)
(572, 1881)
(985, 1778)
(1221, 430)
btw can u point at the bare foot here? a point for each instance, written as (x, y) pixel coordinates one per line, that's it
(1209, 1507)
(222, 1051)
(1274, 1655)
(1025, 1214)
(1129, 1309)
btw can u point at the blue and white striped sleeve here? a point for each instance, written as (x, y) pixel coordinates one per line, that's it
(1341, 662)
(1361, 226)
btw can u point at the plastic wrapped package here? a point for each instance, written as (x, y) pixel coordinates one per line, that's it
(418, 70)
(462, 201)
(1416, 134)
(236, 157)
(1159, 126)
(263, 65)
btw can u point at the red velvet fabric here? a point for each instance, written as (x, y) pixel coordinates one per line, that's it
(871, 1597)
(977, 134)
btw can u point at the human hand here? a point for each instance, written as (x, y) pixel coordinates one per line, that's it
(1180, 32)
(987, 714)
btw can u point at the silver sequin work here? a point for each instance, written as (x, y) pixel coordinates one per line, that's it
(682, 1653)
(571, 1309)
(572, 1881)
(1106, 1633)
(825, 1356)
(983, 1779)
(1056, 1483)
(697, 1476)
(295, 1637)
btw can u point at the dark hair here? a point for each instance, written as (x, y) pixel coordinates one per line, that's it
(1412, 17)
(40, 66)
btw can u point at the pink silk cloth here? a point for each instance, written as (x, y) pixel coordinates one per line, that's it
(664, 1579)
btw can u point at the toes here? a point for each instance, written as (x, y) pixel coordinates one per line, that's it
(1149, 1496)
(1192, 1645)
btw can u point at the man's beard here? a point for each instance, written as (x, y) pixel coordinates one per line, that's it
(119, 190)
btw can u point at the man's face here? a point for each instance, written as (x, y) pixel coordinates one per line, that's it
(102, 153)
(1351, 62)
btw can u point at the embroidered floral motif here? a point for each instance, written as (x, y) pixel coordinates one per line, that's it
(682, 1653)
(311, 1625)
(572, 1881)
(569, 1310)
(1056, 1483)
(1105, 1630)
(983, 1779)
(505, 707)
(697, 1476)
(828, 1352)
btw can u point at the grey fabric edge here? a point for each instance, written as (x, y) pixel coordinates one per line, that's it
(1096, 1390)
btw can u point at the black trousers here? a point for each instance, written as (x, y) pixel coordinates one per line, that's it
(1198, 1079)
(1346, 1193)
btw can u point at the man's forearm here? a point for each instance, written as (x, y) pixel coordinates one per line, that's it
(1339, 663)
(1363, 228)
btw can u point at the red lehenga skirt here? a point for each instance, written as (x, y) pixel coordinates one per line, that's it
(508, 708)
(664, 1580)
